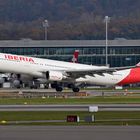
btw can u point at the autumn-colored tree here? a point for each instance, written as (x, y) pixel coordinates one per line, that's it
(69, 19)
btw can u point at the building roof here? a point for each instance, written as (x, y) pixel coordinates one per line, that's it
(67, 43)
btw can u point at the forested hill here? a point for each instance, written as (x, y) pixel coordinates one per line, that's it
(71, 19)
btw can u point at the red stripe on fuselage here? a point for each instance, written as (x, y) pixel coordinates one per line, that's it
(133, 77)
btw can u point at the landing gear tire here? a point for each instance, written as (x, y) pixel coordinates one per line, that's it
(59, 89)
(76, 89)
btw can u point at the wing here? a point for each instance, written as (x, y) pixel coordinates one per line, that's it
(82, 73)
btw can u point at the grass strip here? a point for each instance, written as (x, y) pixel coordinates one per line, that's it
(92, 100)
(101, 118)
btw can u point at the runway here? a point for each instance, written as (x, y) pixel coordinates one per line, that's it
(101, 107)
(69, 132)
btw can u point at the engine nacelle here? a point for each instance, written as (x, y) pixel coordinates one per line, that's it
(54, 76)
(16, 83)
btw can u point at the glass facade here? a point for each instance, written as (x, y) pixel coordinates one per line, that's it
(117, 55)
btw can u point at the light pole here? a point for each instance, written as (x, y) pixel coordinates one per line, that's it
(45, 25)
(107, 19)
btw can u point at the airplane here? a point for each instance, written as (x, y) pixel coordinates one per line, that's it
(55, 72)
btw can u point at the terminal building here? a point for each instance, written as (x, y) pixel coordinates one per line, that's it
(121, 52)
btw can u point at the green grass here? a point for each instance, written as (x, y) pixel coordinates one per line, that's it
(92, 100)
(36, 115)
(57, 115)
(102, 118)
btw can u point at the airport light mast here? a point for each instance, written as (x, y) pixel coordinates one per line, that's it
(45, 25)
(106, 19)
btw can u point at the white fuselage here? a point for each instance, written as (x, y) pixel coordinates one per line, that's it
(36, 66)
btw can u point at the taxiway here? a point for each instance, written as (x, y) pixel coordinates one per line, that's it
(69, 132)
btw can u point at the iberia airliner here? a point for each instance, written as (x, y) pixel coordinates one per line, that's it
(75, 74)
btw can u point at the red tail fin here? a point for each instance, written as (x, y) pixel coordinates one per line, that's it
(75, 56)
(138, 65)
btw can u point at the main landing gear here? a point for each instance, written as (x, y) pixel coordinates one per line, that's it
(59, 87)
(75, 89)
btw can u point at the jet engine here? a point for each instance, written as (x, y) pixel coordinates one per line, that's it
(16, 83)
(55, 76)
